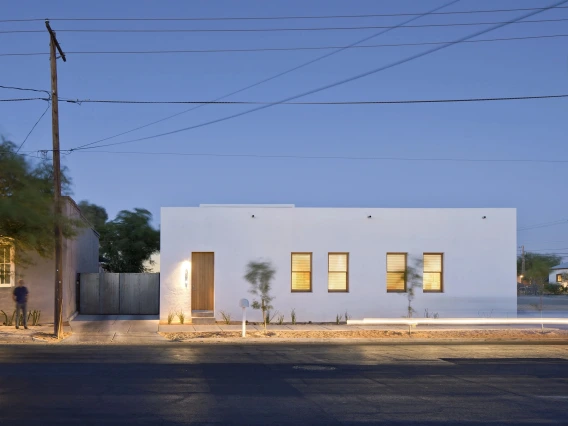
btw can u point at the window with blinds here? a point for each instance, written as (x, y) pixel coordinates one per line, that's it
(6, 266)
(302, 272)
(338, 272)
(433, 272)
(396, 272)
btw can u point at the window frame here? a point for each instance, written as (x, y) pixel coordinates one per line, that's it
(441, 290)
(559, 278)
(292, 272)
(12, 264)
(346, 272)
(405, 268)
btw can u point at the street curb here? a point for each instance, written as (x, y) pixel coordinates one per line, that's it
(387, 342)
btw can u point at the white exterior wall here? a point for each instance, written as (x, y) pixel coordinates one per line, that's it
(479, 258)
(554, 272)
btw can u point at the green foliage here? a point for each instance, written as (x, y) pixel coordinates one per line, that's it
(270, 317)
(554, 288)
(27, 215)
(96, 215)
(128, 241)
(338, 318)
(280, 320)
(226, 317)
(293, 316)
(34, 316)
(259, 275)
(537, 266)
(8, 320)
(413, 279)
(427, 314)
(347, 316)
(181, 316)
(171, 317)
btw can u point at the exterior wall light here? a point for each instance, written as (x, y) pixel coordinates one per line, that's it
(369, 217)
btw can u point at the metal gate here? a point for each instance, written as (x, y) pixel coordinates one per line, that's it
(119, 294)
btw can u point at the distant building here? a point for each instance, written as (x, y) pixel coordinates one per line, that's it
(330, 261)
(80, 254)
(559, 274)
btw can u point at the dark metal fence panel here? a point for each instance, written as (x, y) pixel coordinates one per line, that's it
(124, 294)
(89, 297)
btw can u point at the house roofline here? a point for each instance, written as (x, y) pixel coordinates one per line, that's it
(74, 204)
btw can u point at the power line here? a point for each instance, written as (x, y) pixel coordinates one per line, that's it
(33, 127)
(328, 86)
(242, 30)
(411, 101)
(247, 18)
(25, 89)
(326, 157)
(278, 75)
(24, 99)
(277, 49)
(544, 225)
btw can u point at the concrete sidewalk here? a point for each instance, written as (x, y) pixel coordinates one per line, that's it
(97, 329)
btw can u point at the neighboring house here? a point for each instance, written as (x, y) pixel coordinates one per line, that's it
(559, 274)
(334, 260)
(80, 254)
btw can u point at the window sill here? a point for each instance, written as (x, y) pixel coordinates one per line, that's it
(396, 291)
(6, 285)
(301, 291)
(338, 291)
(432, 291)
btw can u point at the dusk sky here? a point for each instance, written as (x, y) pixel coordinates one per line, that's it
(133, 175)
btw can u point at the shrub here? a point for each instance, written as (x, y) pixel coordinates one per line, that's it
(259, 275)
(338, 318)
(171, 317)
(553, 288)
(181, 317)
(293, 316)
(226, 317)
(280, 319)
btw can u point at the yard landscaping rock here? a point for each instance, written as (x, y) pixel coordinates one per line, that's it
(517, 334)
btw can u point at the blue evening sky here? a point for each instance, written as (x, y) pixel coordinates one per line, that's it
(490, 130)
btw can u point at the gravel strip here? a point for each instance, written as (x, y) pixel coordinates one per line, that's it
(378, 334)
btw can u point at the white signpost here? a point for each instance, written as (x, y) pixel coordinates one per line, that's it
(244, 303)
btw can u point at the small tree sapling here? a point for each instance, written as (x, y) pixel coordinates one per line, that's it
(259, 274)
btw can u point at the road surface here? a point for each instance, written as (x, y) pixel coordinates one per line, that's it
(301, 384)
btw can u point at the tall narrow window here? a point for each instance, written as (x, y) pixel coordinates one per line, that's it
(558, 278)
(433, 272)
(396, 272)
(302, 272)
(338, 272)
(6, 266)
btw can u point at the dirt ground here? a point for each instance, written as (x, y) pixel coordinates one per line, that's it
(380, 334)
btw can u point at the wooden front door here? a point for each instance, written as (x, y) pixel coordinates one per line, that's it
(202, 281)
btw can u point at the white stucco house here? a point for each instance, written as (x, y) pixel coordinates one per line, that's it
(334, 260)
(559, 274)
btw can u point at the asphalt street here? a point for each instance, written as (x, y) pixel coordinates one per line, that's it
(179, 383)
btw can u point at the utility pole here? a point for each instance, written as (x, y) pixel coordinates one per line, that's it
(522, 262)
(58, 311)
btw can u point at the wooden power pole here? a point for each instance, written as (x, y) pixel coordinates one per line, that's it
(58, 312)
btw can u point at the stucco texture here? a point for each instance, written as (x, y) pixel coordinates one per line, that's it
(479, 258)
(80, 254)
